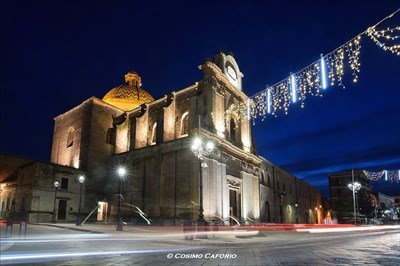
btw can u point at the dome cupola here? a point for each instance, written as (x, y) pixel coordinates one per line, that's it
(129, 95)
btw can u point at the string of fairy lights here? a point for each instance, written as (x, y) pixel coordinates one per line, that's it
(329, 70)
(392, 175)
(312, 80)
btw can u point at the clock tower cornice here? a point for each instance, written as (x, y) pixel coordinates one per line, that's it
(212, 70)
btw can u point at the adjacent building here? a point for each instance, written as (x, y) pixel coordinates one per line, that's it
(27, 190)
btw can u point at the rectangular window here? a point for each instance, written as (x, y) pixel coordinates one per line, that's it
(64, 183)
(110, 136)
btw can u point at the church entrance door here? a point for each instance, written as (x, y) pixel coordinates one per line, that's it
(234, 205)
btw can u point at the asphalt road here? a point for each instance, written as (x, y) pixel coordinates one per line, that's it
(57, 246)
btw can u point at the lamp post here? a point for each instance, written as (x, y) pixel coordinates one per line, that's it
(121, 174)
(201, 149)
(56, 185)
(81, 180)
(354, 186)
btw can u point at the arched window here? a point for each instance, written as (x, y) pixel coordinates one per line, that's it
(263, 181)
(185, 124)
(154, 134)
(269, 180)
(70, 138)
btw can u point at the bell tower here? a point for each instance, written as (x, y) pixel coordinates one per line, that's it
(229, 67)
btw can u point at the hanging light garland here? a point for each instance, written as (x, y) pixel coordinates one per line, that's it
(384, 38)
(328, 70)
(392, 175)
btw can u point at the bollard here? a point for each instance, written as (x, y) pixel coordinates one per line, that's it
(9, 223)
(22, 227)
(188, 228)
(215, 226)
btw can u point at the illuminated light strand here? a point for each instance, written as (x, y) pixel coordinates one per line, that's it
(353, 51)
(381, 38)
(323, 73)
(393, 175)
(293, 89)
(311, 79)
(269, 100)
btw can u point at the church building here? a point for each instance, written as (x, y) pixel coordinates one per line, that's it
(187, 155)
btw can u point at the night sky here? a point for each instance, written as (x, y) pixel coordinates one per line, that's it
(55, 55)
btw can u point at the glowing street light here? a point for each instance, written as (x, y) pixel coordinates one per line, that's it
(121, 173)
(201, 149)
(81, 180)
(354, 186)
(56, 185)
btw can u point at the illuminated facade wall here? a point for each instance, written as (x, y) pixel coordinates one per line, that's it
(80, 135)
(287, 199)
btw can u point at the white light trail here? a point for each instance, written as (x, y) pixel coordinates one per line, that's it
(36, 256)
(324, 84)
(269, 100)
(293, 88)
(349, 229)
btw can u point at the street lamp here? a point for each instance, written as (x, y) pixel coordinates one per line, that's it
(201, 149)
(121, 173)
(355, 186)
(81, 180)
(56, 185)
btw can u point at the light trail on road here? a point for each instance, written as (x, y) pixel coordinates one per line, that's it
(34, 257)
(350, 229)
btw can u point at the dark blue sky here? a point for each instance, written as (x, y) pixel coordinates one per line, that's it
(56, 54)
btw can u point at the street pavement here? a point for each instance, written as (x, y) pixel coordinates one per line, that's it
(101, 244)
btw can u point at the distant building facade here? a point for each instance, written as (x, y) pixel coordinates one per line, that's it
(152, 139)
(397, 205)
(342, 196)
(387, 208)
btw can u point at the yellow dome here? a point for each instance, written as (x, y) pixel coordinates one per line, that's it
(128, 96)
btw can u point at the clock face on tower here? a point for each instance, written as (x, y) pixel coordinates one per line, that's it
(232, 76)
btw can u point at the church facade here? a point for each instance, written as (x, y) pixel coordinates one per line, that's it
(153, 140)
